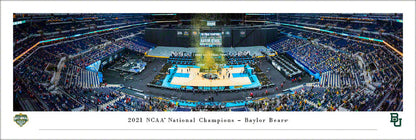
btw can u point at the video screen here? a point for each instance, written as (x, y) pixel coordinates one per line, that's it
(210, 40)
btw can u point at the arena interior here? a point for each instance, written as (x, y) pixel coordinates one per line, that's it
(208, 62)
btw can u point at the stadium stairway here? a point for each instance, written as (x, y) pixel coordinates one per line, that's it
(71, 75)
(383, 100)
(331, 79)
(88, 79)
(57, 75)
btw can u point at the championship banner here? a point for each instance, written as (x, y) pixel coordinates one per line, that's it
(242, 33)
(227, 33)
(179, 34)
(195, 32)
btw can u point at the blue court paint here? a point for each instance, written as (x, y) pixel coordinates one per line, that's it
(182, 75)
(239, 75)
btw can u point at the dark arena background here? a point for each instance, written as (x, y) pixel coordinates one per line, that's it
(208, 62)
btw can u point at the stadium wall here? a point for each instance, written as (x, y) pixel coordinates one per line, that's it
(237, 37)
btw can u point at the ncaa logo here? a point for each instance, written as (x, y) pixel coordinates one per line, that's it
(21, 119)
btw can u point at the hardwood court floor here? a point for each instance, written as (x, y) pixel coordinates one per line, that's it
(197, 80)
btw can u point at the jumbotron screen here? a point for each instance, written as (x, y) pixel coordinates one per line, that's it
(210, 39)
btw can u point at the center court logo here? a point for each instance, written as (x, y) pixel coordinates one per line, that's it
(21, 119)
(395, 119)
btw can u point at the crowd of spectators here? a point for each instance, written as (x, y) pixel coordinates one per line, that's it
(47, 27)
(32, 75)
(59, 102)
(387, 67)
(376, 25)
(92, 98)
(35, 72)
(30, 32)
(115, 34)
(135, 44)
(329, 99)
(133, 103)
(239, 59)
(74, 47)
(394, 41)
(35, 68)
(286, 44)
(23, 45)
(317, 58)
(94, 55)
(25, 91)
(370, 29)
(68, 75)
(348, 46)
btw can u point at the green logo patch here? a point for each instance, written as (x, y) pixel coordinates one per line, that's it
(395, 119)
(21, 119)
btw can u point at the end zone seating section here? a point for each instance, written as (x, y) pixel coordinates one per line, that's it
(181, 60)
(285, 44)
(76, 76)
(239, 60)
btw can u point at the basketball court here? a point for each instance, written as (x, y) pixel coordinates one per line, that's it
(190, 77)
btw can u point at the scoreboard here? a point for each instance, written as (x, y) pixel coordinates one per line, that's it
(210, 39)
(210, 23)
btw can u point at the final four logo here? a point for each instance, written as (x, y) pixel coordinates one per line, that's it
(21, 119)
(395, 119)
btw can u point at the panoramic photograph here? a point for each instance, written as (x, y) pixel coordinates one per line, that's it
(208, 62)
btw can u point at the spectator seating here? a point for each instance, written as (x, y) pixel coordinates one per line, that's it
(239, 60)
(87, 79)
(181, 60)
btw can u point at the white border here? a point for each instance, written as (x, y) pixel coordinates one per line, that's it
(304, 120)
